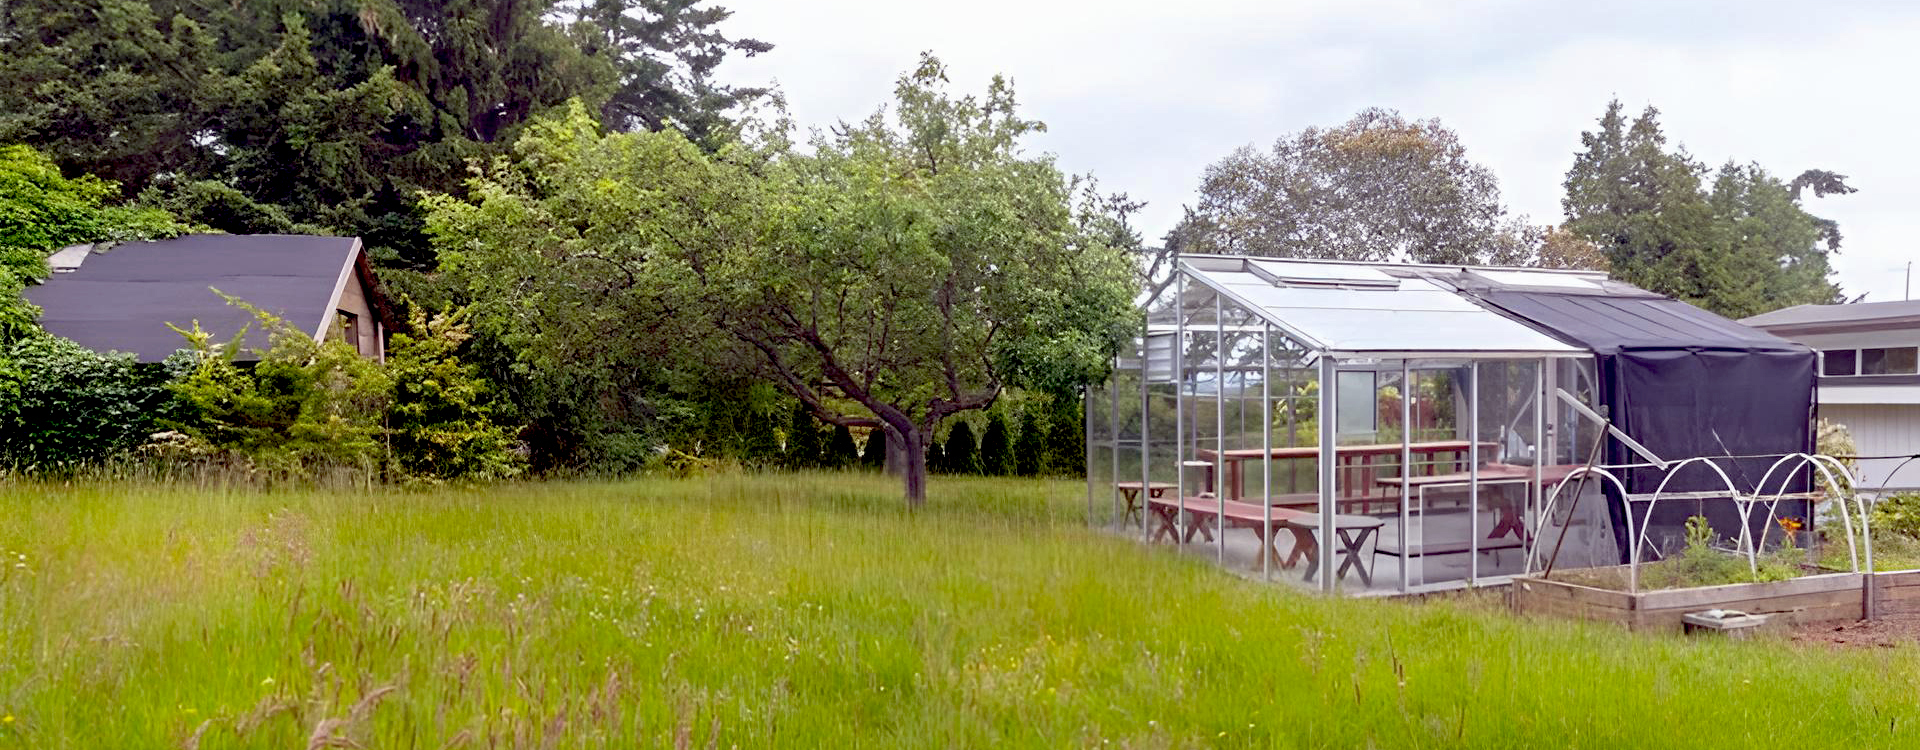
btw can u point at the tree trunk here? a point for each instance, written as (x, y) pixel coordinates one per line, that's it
(913, 452)
(896, 452)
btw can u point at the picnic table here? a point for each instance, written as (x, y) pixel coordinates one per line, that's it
(1355, 463)
(1130, 491)
(1352, 532)
(1507, 512)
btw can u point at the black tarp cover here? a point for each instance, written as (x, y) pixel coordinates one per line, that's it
(1685, 382)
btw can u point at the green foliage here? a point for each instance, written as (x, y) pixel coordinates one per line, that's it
(441, 425)
(1897, 514)
(841, 451)
(874, 455)
(936, 456)
(963, 450)
(904, 270)
(301, 406)
(1030, 455)
(996, 447)
(335, 113)
(1066, 438)
(40, 212)
(1741, 248)
(63, 405)
(805, 448)
(760, 444)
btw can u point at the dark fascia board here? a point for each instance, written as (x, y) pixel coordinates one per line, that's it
(1902, 323)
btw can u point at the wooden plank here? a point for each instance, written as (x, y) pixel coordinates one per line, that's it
(1574, 592)
(1711, 596)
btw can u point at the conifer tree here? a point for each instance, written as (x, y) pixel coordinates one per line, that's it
(841, 452)
(1030, 447)
(804, 450)
(875, 454)
(963, 452)
(996, 447)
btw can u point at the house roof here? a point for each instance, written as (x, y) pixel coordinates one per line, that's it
(123, 298)
(1857, 316)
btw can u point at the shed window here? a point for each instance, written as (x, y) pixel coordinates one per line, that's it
(1839, 362)
(350, 330)
(1894, 361)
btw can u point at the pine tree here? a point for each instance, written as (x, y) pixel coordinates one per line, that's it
(963, 452)
(841, 452)
(875, 454)
(996, 447)
(803, 440)
(761, 441)
(1067, 438)
(1030, 447)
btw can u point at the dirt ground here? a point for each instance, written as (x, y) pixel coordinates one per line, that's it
(1886, 632)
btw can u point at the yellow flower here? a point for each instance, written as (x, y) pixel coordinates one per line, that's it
(8, 719)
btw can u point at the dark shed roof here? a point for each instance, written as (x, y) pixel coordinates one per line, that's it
(1611, 324)
(122, 299)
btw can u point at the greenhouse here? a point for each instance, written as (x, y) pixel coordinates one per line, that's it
(1455, 399)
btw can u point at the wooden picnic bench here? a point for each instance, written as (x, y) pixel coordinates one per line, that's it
(1353, 532)
(1130, 491)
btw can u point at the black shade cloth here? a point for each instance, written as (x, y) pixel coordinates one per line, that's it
(1685, 382)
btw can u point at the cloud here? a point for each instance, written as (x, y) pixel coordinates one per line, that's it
(1146, 94)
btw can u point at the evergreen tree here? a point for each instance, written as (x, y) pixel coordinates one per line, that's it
(1067, 438)
(1745, 247)
(841, 452)
(963, 452)
(996, 447)
(804, 449)
(761, 441)
(1030, 447)
(875, 455)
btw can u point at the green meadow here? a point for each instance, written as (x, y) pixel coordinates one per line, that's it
(804, 610)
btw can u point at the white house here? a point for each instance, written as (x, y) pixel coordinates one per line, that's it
(1869, 378)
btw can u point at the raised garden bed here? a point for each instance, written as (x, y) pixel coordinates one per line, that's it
(1808, 600)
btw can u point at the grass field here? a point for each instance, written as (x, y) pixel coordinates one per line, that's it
(804, 611)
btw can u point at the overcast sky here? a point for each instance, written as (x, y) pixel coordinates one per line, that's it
(1145, 94)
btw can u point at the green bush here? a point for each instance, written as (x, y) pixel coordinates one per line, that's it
(1030, 448)
(963, 452)
(303, 405)
(996, 447)
(804, 448)
(1897, 514)
(63, 405)
(875, 454)
(841, 452)
(441, 425)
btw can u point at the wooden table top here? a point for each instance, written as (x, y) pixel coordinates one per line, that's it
(1496, 472)
(1312, 451)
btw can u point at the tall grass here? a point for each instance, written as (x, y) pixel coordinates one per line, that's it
(801, 611)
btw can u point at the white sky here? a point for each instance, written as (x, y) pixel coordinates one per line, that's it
(1145, 94)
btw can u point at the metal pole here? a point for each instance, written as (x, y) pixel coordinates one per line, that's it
(1220, 428)
(1180, 407)
(1536, 491)
(1266, 450)
(1328, 462)
(1406, 466)
(1113, 429)
(1086, 416)
(1146, 452)
(1473, 472)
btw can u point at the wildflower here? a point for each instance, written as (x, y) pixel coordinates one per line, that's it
(8, 719)
(266, 682)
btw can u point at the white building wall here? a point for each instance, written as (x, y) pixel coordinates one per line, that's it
(1882, 430)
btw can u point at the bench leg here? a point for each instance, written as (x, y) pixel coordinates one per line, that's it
(1351, 548)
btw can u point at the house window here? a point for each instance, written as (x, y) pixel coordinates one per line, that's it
(1839, 362)
(1895, 361)
(350, 330)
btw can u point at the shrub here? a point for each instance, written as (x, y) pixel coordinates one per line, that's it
(936, 456)
(63, 405)
(1897, 514)
(996, 448)
(1030, 448)
(963, 452)
(875, 454)
(1067, 438)
(303, 405)
(441, 423)
(804, 449)
(841, 452)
